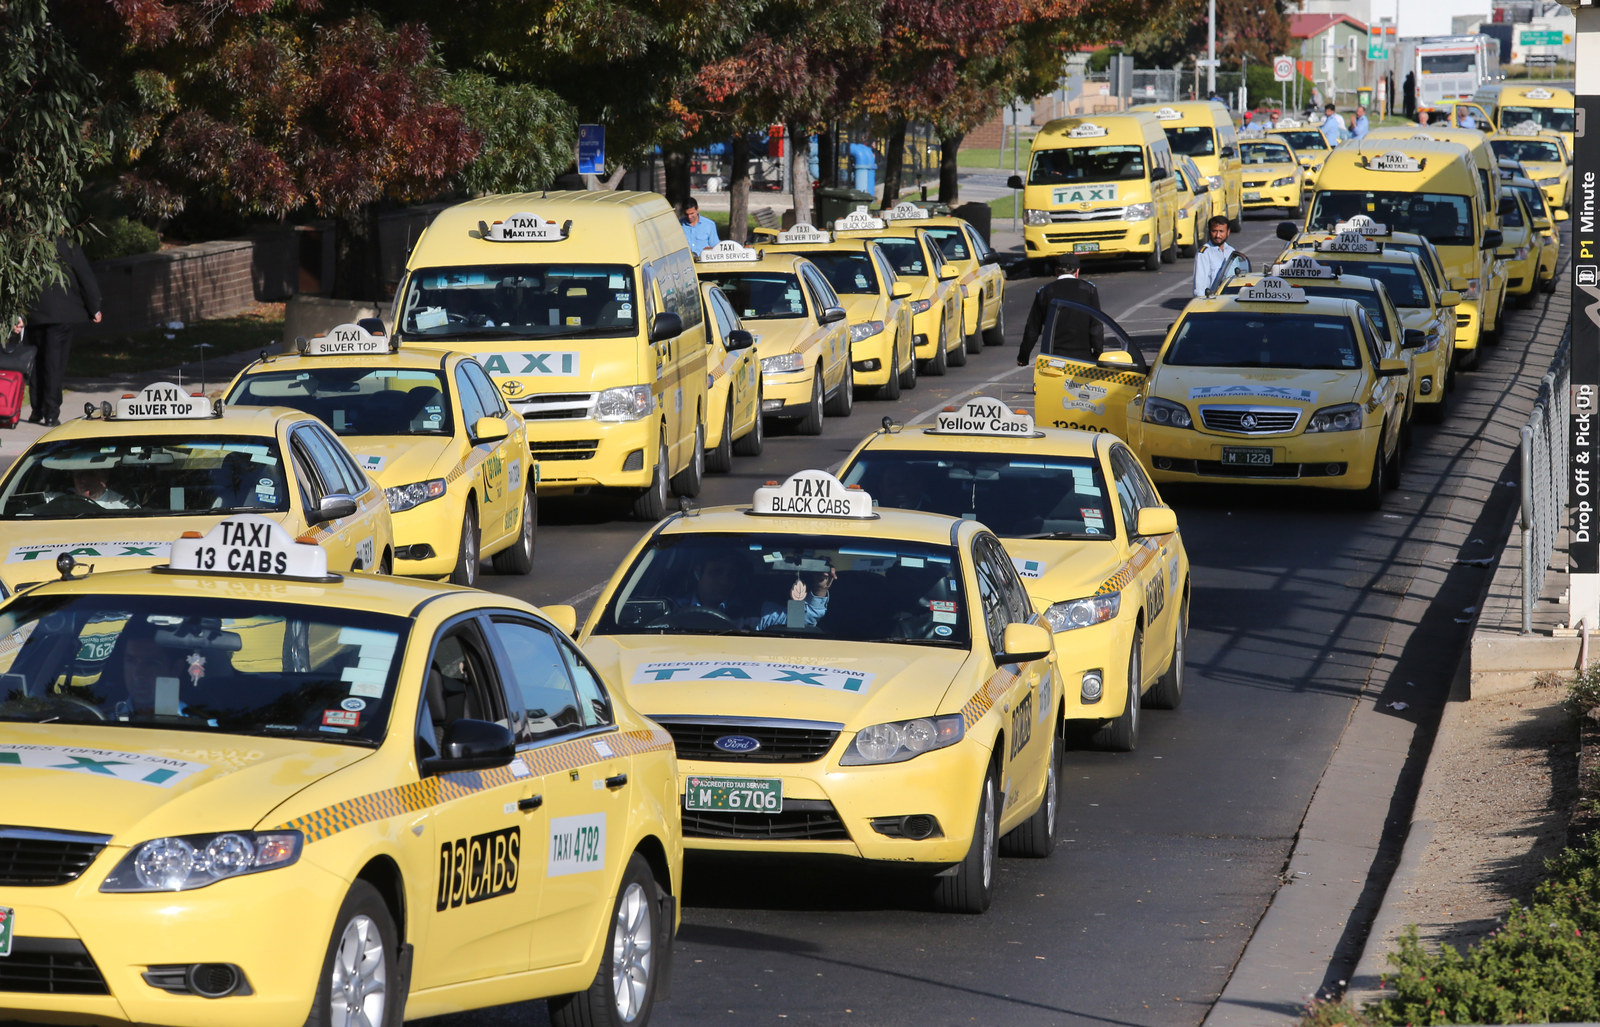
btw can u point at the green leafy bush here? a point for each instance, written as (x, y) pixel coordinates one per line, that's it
(119, 237)
(1583, 693)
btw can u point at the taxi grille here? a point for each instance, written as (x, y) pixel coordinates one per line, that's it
(779, 743)
(31, 858)
(1249, 420)
(557, 406)
(1462, 320)
(801, 819)
(50, 966)
(581, 449)
(1104, 214)
(1256, 185)
(1060, 237)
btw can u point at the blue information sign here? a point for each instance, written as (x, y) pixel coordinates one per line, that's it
(591, 149)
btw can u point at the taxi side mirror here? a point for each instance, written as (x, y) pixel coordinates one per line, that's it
(1287, 230)
(1508, 205)
(1156, 520)
(335, 505)
(473, 745)
(1493, 239)
(565, 618)
(1413, 338)
(1449, 298)
(831, 315)
(667, 325)
(740, 339)
(1014, 182)
(489, 429)
(1227, 151)
(1562, 215)
(1391, 368)
(900, 291)
(948, 273)
(1024, 643)
(1158, 173)
(1542, 225)
(1120, 359)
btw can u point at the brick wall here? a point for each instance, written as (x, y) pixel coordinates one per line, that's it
(186, 283)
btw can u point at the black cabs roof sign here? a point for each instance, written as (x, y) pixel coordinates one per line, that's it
(726, 252)
(812, 494)
(1362, 225)
(163, 401)
(858, 220)
(524, 227)
(346, 340)
(803, 233)
(1302, 266)
(1168, 114)
(1272, 289)
(1393, 160)
(249, 544)
(1349, 242)
(981, 415)
(905, 212)
(1087, 130)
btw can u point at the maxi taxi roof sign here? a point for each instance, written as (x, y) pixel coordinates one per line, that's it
(1349, 242)
(1168, 114)
(1272, 289)
(981, 415)
(804, 233)
(726, 252)
(163, 401)
(1302, 266)
(346, 340)
(524, 227)
(904, 211)
(1362, 224)
(812, 493)
(1394, 160)
(1087, 130)
(249, 544)
(858, 220)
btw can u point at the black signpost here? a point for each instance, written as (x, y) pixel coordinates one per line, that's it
(1583, 533)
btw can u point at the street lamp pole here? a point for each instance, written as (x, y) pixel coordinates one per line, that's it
(1211, 47)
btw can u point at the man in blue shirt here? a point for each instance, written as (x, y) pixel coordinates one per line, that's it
(1358, 131)
(702, 234)
(1208, 259)
(1332, 126)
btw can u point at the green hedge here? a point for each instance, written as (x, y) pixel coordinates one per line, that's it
(119, 237)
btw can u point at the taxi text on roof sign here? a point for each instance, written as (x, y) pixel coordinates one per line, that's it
(346, 340)
(981, 415)
(162, 401)
(1362, 224)
(249, 544)
(1271, 289)
(804, 233)
(726, 251)
(1167, 114)
(1349, 242)
(1302, 266)
(1537, 94)
(905, 212)
(1087, 130)
(1524, 128)
(523, 227)
(858, 220)
(1394, 161)
(812, 494)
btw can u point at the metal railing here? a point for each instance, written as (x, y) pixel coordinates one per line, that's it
(1544, 475)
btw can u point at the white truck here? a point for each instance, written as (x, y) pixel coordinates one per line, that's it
(1448, 67)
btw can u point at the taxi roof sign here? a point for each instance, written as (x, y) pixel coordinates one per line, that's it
(812, 494)
(1272, 289)
(1289, 123)
(346, 340)
(1349, 242)
(524, 227)
(163, 401)
(1362, 224)
(249, 544)
(1524, 128)
(1394, 160)
(904, 211)
(1302, 266)
(803, 232)
(727, 251)
(1087, 130)
(1168, 114)
(858, 220)
(981, 415)
(1540, 93)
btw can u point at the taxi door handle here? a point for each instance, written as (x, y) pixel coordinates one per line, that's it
(530, 804)
(616, 781)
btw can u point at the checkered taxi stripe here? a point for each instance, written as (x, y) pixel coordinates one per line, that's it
(1085, 373)
(436, 791)
(985, 697)
(1128, 571)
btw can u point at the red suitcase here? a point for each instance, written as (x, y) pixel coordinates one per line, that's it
(12, 385)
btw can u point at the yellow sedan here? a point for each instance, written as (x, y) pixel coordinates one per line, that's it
(936, 305)
(1272, 175)
(733, 393)
(982, 282)
(1544, 156)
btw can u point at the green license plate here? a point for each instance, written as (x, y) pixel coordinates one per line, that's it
(734, 794)
(1246, 455)
(1085, 247)
(8, 919)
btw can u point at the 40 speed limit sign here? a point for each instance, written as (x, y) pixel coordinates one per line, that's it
(1283, 69)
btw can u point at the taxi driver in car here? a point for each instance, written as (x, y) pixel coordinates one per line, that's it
(717, 586)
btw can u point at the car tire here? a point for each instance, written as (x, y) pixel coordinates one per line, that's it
(517, 558)
(688, 481)
(1035, 838)
(468, 553)
(844, 400)
(1121, 733)
(1392, 465)
(361, 971)
(752, 442)
(1467, 360)
(720, 459)
(970, 888)
(1434, 413)
(651, 504)
(1167, 692)
(1170, 254)
(908, 377)
(996, 334)
(1152, 260)
(936, 365)
(975, 340)
(386, 563)
(891, 388)
(1371, 497)
(1236, 225)
(623, 991)
(958, 355)
(811, 423)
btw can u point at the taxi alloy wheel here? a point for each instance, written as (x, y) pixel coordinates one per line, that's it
(891, 388)
(936, 365)
(651, 505)
(844, 400)
(359, 969)
(720, 459)
(517, 558)
(971, 887)
(1121, 734)
(958, 355)
(466, 570)
(624, 986)
(1035, 838)
(1167, 692)
(687, 482)
(1391, 466)
(1152, 260)
(996, 335)
(753, 441)
(811, 423)
(975, 340)
(908, 377)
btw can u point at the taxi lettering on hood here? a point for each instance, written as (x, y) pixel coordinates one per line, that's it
(777, 673)
(124, 766)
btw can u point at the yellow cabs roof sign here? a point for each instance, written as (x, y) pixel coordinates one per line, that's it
(803, 233)
(981, 415)
(1393, 160)
(1349, 242)
(858, 220)
(1362, 225)
(163, 401)
(727, 252)
(905, 212)
(1087, 130)
(1302, 266)
(346, 340)
(249, 544)
(812, 494)
(524, 227)
(1272, 289)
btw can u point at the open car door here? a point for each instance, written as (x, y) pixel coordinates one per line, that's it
(1090, 372)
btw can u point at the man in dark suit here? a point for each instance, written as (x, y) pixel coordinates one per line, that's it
(61, 305)
(1077, 335)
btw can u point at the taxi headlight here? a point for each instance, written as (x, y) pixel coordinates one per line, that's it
(902, 740)
(1521, 253)
(196, 860)
(1344, 417)
(1140, 211)
(920, 306)
(1164, 411)
(1035, 217)
(625, 403)
(1215, 180)
(1081, 613)
(865, 330)
(1278, 183)
(404, 497)
(1549, 181)
(783, 363)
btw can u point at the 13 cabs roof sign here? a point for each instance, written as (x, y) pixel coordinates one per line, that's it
(1271, 289)
(524, 227)
(981, 415)
(812, 494)
(1362, 224)
(1349, 242)
(162, 401)
(1302, 266)
(346, 340)
(858, 220)
(905, 212)
(804, 233)
(249, 544)
(727, 251)
(1396, 161)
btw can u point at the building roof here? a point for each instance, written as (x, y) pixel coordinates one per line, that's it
(1308, 26)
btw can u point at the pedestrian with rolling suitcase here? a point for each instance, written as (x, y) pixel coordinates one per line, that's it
(74, 300)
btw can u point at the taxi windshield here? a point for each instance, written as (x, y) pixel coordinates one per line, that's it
(905, 256)
(523, 301)
(1446, 220)
(1192, 140)
(761, 295)
(1556, 119)
(1402, 280)
(1429, 266)
(1265, 153)
(1533, 196)
(355, 400)
(221, 666)
(792, 586)
(850, 272)
(1284, 339)
(145, 476)
(1086, 164)
(1012, 496)
(1527, 149)
(1304, 139)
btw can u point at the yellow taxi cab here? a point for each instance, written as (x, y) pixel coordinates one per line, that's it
(1551, 108)
(1545, 219)
(242, 789)
(876, 302)
(1519, 248)
(1097, 549)
(1267, 386)
(1543, 155)
(982, 281)
(114, 487)
(1204, 131)
(831, 688)
(1194, 205)
(435, 433)
(1272, 174)
(802, 338)
(1310, 146)
(733, 385)
(935, 293)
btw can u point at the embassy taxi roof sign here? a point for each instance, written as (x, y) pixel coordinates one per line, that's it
(249, 544)
(346, 340)
(981, 415)
(812, 493)
(1271, 289)
(163, 401)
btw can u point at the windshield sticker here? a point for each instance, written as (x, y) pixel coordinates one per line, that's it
(1265, 391)
(104, 550)
(577, 844)
(341, 718)
(528, 365)
(266, 490)
(353, 705)
(102, 763)
(731, 670)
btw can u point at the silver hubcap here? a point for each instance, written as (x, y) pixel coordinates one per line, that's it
(527, 524)
(1177, 655)
(359, 985)
(1134, 676)
(632, 952)
(469, 551)
(1050, 792)
(987, 824)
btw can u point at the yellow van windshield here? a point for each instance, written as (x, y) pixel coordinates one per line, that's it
(1086, 164)
(519, 301)
(1445, 220)
(1556, 119)
(1192, 140)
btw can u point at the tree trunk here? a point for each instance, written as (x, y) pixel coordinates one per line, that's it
(739, 188)
(614, 179)
(357, 271)
(677, 161)
(800, 169)
(949, 152)
(827, 159)
(894, 162)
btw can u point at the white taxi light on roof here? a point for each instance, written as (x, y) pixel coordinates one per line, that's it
(1271, 289)
(1290, 123)
(981, 415)
(727, 251)
(1302, 266)
(1524, 128)
(1538, 94)
(1393, 161)
(249, 544)
(524, 227)
(1167, 114)
(346, 340)
(1087, 130)
(804, 233)
(1362, 224)
(812, 494)
(1349, 242)
(162, 401)
(858, 220)
(905, 212)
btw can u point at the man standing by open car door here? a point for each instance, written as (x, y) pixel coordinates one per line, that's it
(1076, 334)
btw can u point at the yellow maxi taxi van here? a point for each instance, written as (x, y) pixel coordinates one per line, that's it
(802, 336)
(243, 789)
(433, 430)
(1101, 187)
(1551, 108)
(733, 384)
(114, 487)
(980, 277)
(1310, 146)
(1543, 155)
(1271, 172)
(877, 304)
(584, 309)
(1204, 131)
(935, 290)
(1096, 548)
(1432, 189)
(843, 679)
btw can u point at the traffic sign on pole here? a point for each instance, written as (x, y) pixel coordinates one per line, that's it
(1540, 37)
(1283, 69)
(591, 149)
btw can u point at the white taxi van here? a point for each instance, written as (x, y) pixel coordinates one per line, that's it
(1096, 548)
(1101, 186)
(114, 487)
(980, 278)
(433, 430)
(584, 309)
(935, 299)
(243, 789)
(843, 680)
(1203, 130)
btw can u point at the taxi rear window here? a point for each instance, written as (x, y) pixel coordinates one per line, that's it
(355, 400)
(762, 294)
(1014, 497)
(1086, 164)
(1527, 149)
(877, 590)
(206, 665)
(1305, 139)
(1192, 140)
(1445, 219)
(850, 273)
(502, 301)
(145, 476)
(1265, 153)
(1306, 342)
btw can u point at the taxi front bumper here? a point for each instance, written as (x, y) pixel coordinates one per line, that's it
(1097, 653)
(1469, 324)
(1333, 460)
(1523, 275)
(584, 453)
(1432, 369)
(872, 357)
(787, 394)
(427, 537)
(1090, 239)
(925, 330)
(1262, 196)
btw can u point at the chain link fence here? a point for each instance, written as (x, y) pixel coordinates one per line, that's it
(1544, 475)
